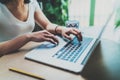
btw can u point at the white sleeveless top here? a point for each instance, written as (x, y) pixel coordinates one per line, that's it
(10, 26)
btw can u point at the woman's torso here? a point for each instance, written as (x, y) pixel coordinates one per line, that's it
(10, 26)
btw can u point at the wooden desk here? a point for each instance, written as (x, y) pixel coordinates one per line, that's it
(104, 64)
(17, 60)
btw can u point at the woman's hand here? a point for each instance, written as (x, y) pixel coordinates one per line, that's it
(41, 36)
(65, 32)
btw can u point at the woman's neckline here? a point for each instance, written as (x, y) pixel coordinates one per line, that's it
(16, 17)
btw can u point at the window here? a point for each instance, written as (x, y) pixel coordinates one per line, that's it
(80, 10)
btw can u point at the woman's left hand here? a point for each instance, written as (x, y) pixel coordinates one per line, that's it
(65, 32)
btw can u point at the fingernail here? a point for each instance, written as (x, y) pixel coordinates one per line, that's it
(56, 43)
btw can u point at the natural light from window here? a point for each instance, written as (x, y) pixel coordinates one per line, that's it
(80, 10)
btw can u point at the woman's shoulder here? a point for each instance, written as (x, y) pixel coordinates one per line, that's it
(33, 2)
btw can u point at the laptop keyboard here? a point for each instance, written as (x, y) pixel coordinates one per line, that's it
(72, 50)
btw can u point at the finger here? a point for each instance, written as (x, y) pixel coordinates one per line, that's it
(67, 36)
(72, 31)
(50, 40)
(52, 37)
(46, 32)
(78, 34)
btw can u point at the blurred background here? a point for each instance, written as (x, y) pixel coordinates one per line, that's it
(58, 11)
(89, 13)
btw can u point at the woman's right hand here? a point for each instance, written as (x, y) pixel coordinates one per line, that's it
(43, 35)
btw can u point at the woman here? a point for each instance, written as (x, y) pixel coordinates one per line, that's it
(17, 19)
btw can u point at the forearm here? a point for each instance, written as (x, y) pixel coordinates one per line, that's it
(42, 21)
(53, 28)
(14, 44)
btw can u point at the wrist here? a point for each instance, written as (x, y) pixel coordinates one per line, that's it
(58, 30)
(29, 36)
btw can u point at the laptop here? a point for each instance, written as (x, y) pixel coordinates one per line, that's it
(70, 56)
